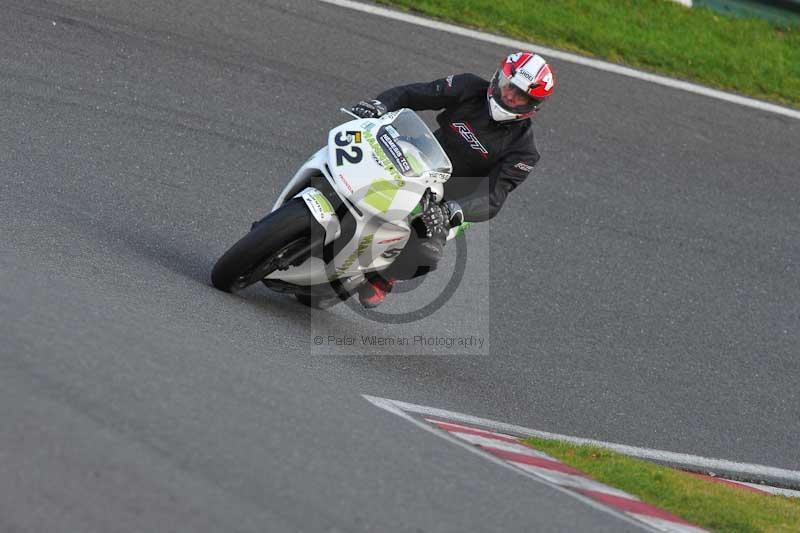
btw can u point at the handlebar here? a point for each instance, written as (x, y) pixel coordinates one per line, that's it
(343, 110)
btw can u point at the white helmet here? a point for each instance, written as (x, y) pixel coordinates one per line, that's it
(521, 84)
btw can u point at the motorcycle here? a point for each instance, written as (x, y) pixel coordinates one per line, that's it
(346, 212)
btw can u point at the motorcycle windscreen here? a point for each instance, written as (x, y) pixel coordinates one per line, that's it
(412, 147)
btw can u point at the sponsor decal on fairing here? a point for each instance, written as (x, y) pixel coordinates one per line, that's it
(439, 177)
(320, 207)
(389, 241)
(362, 247)
(346, 183)
(383, 160)
(397, 154)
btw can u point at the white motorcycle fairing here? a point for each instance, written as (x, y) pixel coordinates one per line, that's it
(379, 169)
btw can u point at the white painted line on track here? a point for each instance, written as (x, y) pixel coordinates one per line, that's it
(389, 405)
(772, 490)
(566, 56)
(686, 461)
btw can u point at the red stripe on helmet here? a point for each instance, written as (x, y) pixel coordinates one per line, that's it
(512, 64)
(543, 83)
(526, 56)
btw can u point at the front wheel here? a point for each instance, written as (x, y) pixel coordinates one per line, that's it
(278, 236)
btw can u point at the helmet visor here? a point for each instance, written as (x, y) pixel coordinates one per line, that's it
(510, 97)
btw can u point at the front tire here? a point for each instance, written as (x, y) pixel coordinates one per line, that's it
(256, 254)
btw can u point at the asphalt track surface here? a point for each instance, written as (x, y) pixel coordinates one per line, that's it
(642, 288)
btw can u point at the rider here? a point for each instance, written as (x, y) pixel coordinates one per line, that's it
(485, 129)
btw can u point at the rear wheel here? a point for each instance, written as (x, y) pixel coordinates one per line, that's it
(278, 236)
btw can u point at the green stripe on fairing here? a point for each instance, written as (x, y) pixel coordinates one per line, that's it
(381, 194)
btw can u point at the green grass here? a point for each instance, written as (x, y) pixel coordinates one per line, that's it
(710, 505)
(748, 56)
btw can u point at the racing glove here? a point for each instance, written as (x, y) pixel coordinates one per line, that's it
(455, 215)
(438, 218)
(369, 109)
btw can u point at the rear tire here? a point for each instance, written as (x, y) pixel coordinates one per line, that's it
(292, 222)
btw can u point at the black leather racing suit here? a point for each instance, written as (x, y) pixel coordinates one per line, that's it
(490, 159)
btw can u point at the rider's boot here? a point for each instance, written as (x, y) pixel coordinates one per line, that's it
(374, 290)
